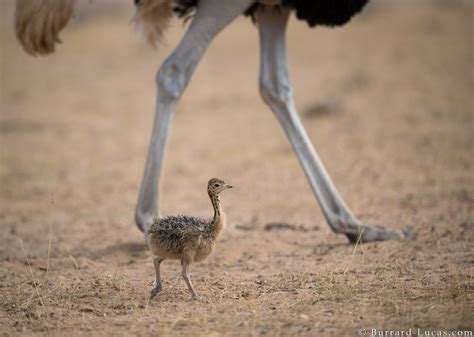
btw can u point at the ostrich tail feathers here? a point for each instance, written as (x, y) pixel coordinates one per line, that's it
(38, 23)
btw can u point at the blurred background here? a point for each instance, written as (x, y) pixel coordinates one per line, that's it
(387, 101)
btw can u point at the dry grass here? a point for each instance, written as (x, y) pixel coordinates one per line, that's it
(299, 299)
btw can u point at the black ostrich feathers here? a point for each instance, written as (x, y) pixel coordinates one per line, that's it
(314, 12)
(325, 12)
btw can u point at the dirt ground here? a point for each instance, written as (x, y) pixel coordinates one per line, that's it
(387, 101)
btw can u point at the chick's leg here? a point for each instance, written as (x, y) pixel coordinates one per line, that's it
(185, 262)
(157, 287)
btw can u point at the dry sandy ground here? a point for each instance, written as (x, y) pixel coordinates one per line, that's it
(387, 102)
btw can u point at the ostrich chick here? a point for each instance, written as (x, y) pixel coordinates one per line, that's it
(186, 238)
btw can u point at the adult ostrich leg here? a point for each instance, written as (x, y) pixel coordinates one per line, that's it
(275, 88)
(175, 72)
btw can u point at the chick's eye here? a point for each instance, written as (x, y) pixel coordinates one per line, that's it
(216, 185)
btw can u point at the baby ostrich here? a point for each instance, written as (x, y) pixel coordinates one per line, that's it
(186, 238)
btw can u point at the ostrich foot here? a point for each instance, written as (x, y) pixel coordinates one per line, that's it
(154, 291)
(357, 232)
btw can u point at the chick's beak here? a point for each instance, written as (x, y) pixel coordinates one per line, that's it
(228, 186)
